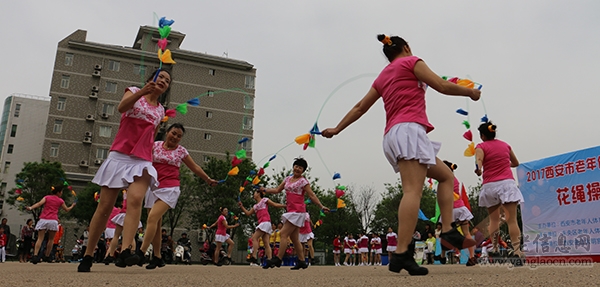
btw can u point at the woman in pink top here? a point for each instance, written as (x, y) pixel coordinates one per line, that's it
(461, 216)
(296, 186)
(499, 188)
(402, 86)
(264, 227)
(222, 236)
(166, 159)
(48, 221)
(129, 164)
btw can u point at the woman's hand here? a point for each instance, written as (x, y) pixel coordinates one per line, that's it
(329, 132)
(149, 88)
(212, 182)
(475, 94)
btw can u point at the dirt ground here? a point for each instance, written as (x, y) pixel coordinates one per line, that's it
(65, 274)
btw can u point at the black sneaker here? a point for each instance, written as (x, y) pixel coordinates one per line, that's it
(47, 259)
(131, 258)
(155, 262)
(406, 261)
(453, 239)
(35, 259)
(142, 258)
(300, 264)
(108, 260)
(472, 261)
(121, 261)
(86, 264)
(273, 262)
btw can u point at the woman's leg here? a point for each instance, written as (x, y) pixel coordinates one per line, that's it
(445, 178)
(135, 195)
(494, 214)
(50, 243)
(298, 247)
(465, 229)
(98, 224)
(255, 242)
(230, 244)
(412, 175)
(113, 245)
(153, 225)
(217, 252)
(268, 251)
(38, 243)
(513, 226)
(286, 232)
(157, 241)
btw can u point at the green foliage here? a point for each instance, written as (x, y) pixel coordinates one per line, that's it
(34, 182)
(386, 212)
(86, 205)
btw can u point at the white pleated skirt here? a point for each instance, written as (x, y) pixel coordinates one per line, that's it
(295, 218)
(305, 237)
(119, 170)
(409, 141)
(47, 224)
(119, 220)
(265, 227)
(168, 195)
(500, 192)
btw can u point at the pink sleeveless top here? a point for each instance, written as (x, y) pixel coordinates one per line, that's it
(51, 207)
(294, 192)
(167, 163)
(262, 211)
(136, 131)
(402, 93)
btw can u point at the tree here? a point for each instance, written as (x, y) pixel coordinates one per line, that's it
(34, 182)
(365, 198)
(386, 212)
(86, 204)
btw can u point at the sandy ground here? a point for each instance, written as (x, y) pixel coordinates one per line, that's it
(65, 274)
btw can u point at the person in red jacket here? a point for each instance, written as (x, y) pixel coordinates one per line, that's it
(337, 247)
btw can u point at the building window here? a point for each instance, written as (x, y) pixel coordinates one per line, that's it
(139, 69)
(54, 149)
(209, 114)
(105, 131)
(68, 59)
(247, 123)
(7, 167)
(13, 131)
(248, 102)
(108, 109)
(114, 65)
(206, 158)
(247, 145)
(111, 87)
(212, 72)
(17, 110)
(207, 136)
(211, 93)
(64, 82)
(58, 126)
(62, 102)
(101, 153)
(2, 188)
(10, 148)
(249, 82)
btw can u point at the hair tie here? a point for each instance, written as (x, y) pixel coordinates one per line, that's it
(52, 188)
(491, 128)
(387, 40)
(453, 166)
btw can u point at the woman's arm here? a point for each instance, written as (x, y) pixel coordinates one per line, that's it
(479, 160)
(130, 98)
(354, 114)
(196, 169)
(426, 75)
(40, 203)
(314, 197)
(244, 210)
(514, 162)
(273, 190)
(67, 209)
(275, 204)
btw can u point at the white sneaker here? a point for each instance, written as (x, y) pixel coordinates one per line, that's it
(254, 264)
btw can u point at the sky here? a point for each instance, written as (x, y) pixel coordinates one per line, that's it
(537, 61)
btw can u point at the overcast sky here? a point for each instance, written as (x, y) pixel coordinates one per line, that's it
(538, 62)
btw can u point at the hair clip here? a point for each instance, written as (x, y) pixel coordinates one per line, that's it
(52, 188)
(387, 40)
(491, 128)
